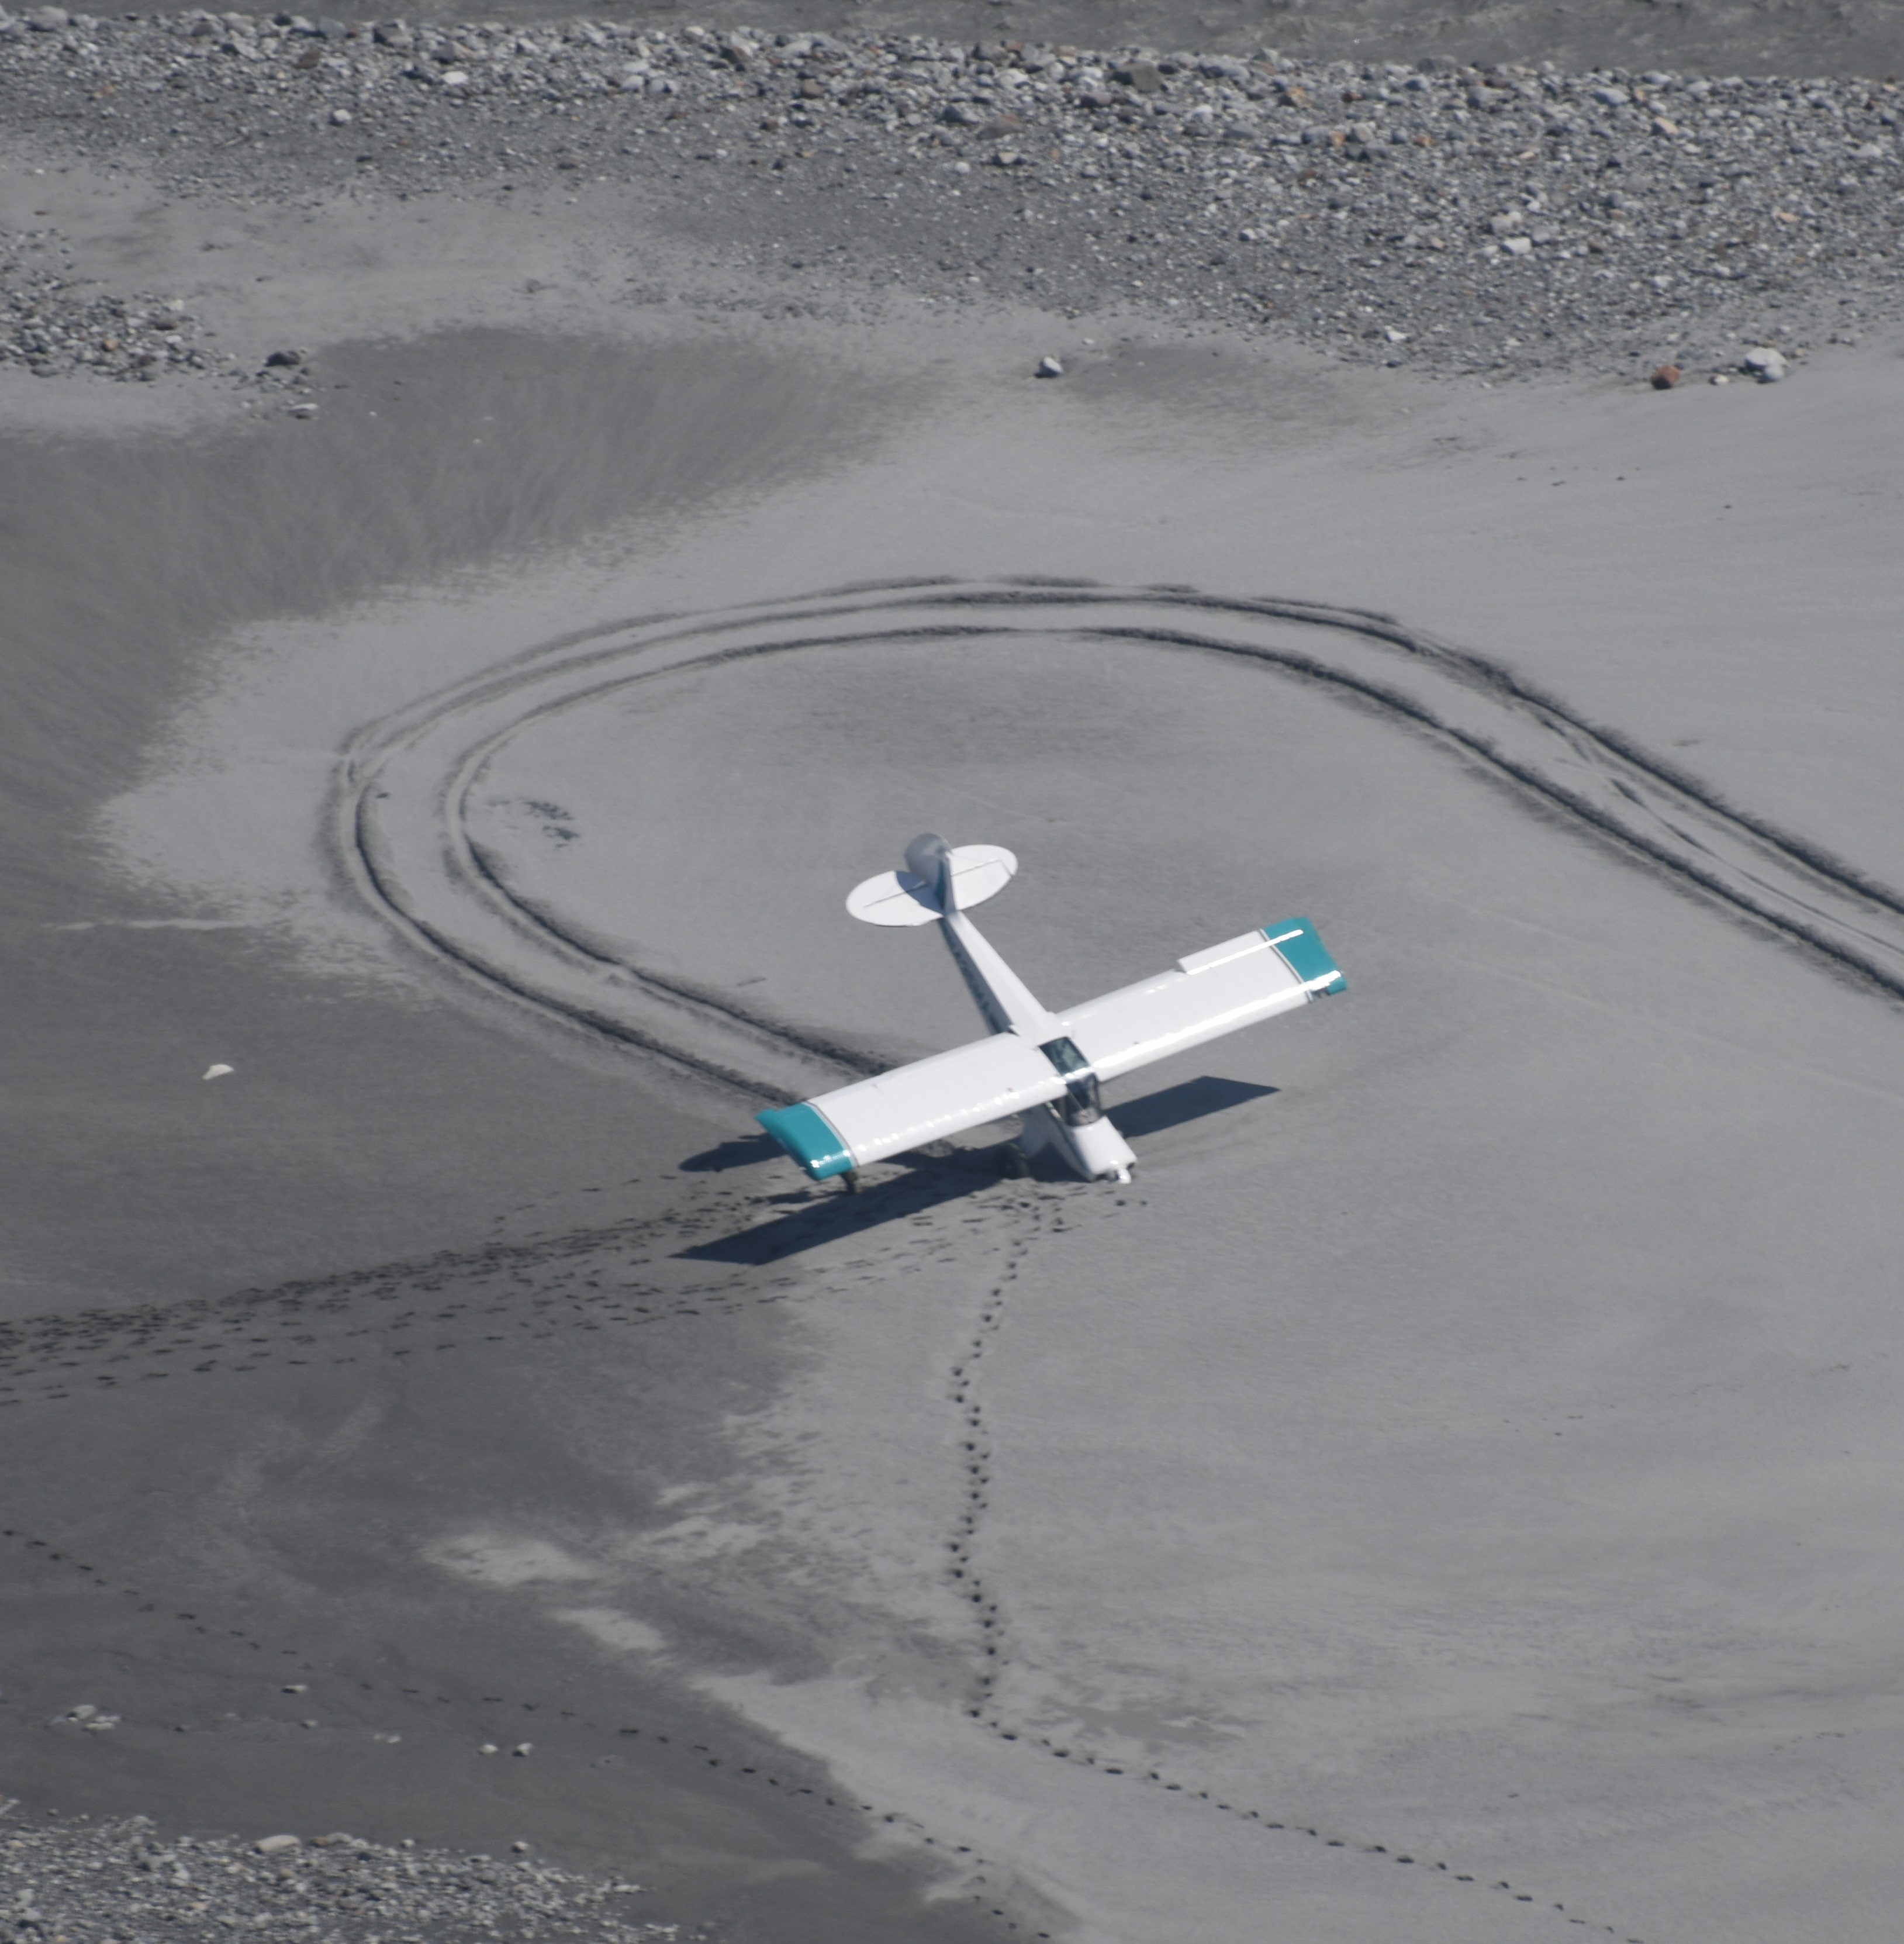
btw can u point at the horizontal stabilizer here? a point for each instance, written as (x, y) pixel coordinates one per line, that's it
(980, 870)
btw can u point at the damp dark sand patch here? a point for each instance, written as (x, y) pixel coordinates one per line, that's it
(128, 563)
(331, 1608)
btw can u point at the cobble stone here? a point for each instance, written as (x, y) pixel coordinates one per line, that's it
(95, 1883)
(1506, 220)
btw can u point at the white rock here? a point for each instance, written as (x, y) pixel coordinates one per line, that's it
(341, 118)
(272, 1846)
(217, 1071)
(1766, 363)
(1049, 368)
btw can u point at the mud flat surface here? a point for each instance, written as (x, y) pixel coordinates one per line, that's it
(1447, 1496)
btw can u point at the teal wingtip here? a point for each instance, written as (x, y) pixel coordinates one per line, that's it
(1305, 954)
(809, 1137)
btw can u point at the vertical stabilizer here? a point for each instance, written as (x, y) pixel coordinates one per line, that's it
(929, 858)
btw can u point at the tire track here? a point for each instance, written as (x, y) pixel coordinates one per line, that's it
(497, 1294)
(403, 810)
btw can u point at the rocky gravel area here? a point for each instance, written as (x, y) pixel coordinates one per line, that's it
(1494, 220)
(123, 1883)
(51, 322)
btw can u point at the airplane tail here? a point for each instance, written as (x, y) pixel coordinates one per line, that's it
(929, 859)
(937, 878)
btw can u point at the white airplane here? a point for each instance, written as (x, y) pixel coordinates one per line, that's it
(1048, 1067)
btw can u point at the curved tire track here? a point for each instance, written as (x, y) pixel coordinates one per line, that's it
(403, 802)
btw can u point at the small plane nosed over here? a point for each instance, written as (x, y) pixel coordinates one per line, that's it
(1048, 1067)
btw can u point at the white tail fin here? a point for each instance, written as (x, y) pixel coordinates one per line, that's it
(976, 871)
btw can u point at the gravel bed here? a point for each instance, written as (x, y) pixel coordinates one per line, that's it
(1493, 220)
(48, 321)
(121, 1883)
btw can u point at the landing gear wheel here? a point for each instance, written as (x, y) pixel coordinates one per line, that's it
(850, 1181)
(1012, 1163)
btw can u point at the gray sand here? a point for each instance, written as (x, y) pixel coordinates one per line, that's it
(1445, 1496)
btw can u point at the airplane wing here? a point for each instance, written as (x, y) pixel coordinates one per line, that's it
(1206, 995)
(1209, 994)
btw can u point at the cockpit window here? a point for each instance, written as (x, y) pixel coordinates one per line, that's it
(1064, 1054)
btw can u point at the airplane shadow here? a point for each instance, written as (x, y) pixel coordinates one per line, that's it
(930, 1179)
(742, 1152)
(832, 1214)
(1188, 1100)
